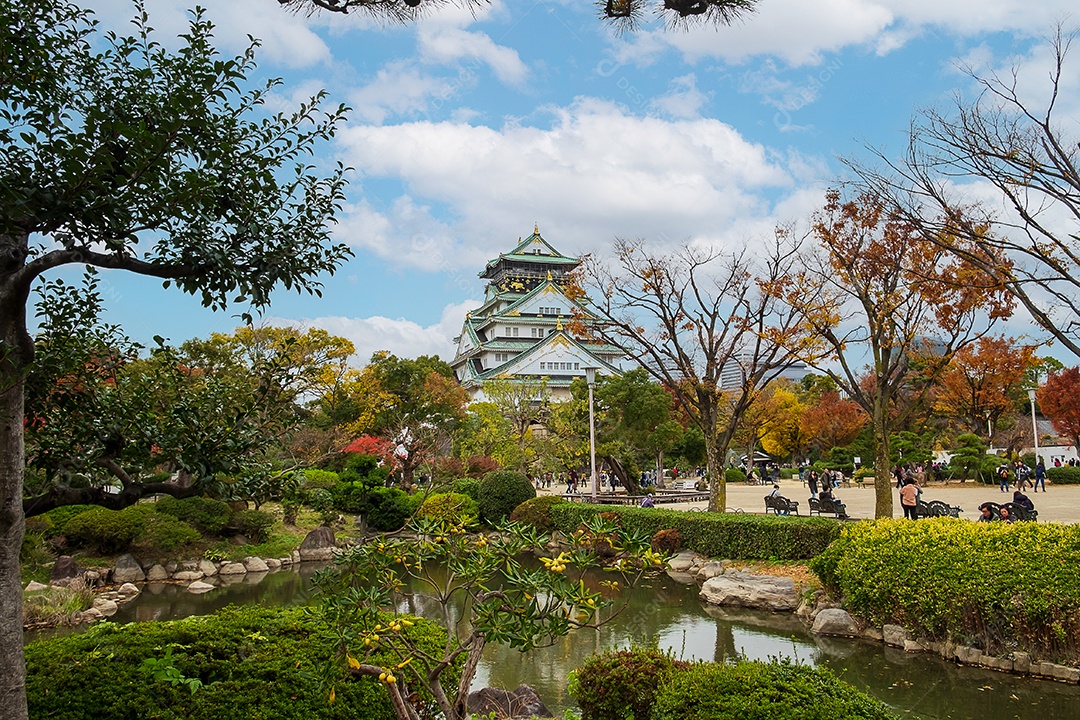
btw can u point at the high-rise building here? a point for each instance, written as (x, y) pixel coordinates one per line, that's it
(521, 332)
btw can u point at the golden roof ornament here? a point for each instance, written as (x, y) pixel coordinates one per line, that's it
(536, 228)
(549, 276)
(558, 323)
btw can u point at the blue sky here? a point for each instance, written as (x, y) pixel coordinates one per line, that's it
(466, 130)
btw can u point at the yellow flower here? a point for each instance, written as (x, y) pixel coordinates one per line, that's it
(333, 695)
(353, 662)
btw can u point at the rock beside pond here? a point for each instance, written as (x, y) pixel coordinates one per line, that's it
(199, 587)
(894, 635)
(107, 608)
(254, 564)
(523, 702)
(208, 568)
(157, 573)
(743, 589)
(232, 569)
(34, 586)
(127, 570)
(187, 575)
(129, 590)
(318, 545)
(834, 621)
(273, 563)
(65, 571)
(682, 562)
(712, 569)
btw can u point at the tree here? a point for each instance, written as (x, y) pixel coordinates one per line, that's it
(118, 153)
(832, 422)
(524, 403)
(622, 14)
(1024, 151)
(983, 381)
(783, 435)
(485, 431)
(1059, 399)
(689, 317)
(878, 289)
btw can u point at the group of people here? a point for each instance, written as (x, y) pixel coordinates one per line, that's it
(1004, 514)
(1022, 473)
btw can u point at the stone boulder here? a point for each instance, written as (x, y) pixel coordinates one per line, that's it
(273, 563)
(107, 608)
(232, 569)
(199, 587)
(894, 635)
(521, 703)
(208, 568)
(712, 569)
(157, 573)
(129, 589)
(743, 589)
(65, 571)
(255, 565)
(127, 570)
(34, 586)
(318, 545)
(682, 562)
(188, 575)
(834, 621)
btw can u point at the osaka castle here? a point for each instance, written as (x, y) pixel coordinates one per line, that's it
(520, 332)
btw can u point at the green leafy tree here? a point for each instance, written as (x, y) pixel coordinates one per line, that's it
(119, 153)
(505, 602)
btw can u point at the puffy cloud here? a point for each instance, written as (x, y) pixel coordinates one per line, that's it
(683, 101)
(593, 173)
(444, 45)
(399, 88)
(404, 338)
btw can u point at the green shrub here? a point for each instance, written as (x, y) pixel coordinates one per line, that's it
(253, 524)
(537, 512)
(761, 691)
(204, 514)
(109, 531)
(387, 509)
(787, 473)
(322, 502)
(500, 492)
(734, 475)
(999, 586)
(727, 535)
(320, 479)
(668, 540)
(467, 486)
(622, 683)
(167, 533)
(60, 516)
(252, 663)
(453, 508)
(1064, 475)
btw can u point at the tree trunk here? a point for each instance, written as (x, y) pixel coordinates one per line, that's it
(17, 353)
(714, 464)
(883, 480)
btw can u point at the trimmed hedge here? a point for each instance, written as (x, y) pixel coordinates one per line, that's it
(205, 514)
(537, 512)
(454, 508)
(998, 586)
(728, 535)
(1064, 475)
(762, 691)
(253, 663)
(622, 683)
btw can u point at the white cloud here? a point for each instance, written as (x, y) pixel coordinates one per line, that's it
(442, 45)
(594, 173)
(397, 89)
(401, 337)
(683, 101)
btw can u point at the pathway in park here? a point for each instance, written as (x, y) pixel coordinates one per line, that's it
(1061, 503)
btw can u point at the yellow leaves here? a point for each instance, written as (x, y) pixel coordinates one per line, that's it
(354, 664)
(333, 695)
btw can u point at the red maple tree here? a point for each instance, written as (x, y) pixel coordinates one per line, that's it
(1059, 399)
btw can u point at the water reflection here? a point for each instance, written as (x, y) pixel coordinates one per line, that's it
(916, 685)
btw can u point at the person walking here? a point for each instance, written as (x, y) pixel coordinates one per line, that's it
(1040, 476)
(1003, 477)
(909, 498)
(812, 483)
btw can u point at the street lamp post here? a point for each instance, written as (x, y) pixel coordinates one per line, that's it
(590, 378)
(989, 430)
(1034, 427)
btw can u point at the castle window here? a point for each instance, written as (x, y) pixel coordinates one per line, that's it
(513, 332)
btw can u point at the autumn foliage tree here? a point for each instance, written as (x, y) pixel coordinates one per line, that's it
(1059, 399)
(983, 381)
(887, 309)
(832, 422)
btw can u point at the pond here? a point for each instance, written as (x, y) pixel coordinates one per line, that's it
(915, 685)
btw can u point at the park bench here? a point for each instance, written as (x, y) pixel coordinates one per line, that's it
(937, 508)
(828, 507)
(682, 486)
(1018, 512)
(780, 505)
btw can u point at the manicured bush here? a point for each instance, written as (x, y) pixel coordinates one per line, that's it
(537, 512)
(60, 516)
(321, 479)
(761, 691)
(622, 683)
(668, 540)
(204, 514)
(387, 509)
(453, 508)
(467, 486)
(252, 662)
(253, 524)
(995, 585)
(727, 535)
(734, 475)
(502, 491)
(787, 473)
(1064, 475)
(167, 533)
(109, 531)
